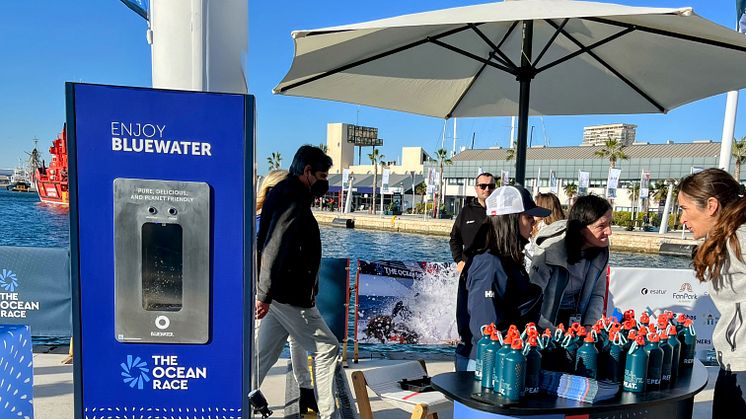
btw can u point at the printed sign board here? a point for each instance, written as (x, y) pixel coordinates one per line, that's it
(161, 227)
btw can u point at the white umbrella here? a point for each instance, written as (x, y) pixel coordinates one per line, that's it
(538, 57)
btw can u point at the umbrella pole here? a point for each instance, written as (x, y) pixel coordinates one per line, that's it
(525, 74)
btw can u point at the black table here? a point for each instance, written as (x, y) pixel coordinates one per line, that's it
(673, 403)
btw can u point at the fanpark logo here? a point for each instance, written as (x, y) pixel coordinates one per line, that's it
(685, 294)
(8, 280)
(135, 372)
(646, 291)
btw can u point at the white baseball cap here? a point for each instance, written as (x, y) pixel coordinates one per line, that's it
(514, 200)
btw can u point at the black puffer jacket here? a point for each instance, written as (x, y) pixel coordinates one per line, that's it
(289, 245)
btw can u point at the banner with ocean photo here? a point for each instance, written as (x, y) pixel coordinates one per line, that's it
(407, 302)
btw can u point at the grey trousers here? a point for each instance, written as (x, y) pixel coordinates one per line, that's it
(310, 331)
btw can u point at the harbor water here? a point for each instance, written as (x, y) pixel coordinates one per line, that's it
(24, 221)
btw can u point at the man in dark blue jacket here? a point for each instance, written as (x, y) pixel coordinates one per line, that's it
(464, 239)
(289, 245)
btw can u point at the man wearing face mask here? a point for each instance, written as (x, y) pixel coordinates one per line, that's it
(289, 245)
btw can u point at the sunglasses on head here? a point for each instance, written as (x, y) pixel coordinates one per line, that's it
(484, 186)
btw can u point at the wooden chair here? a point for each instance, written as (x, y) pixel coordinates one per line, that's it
(383, 381)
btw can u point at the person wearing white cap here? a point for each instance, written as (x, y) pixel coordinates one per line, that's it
(498, 285)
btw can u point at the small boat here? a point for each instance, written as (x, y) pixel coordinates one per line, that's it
(19, 181)
(52, 181)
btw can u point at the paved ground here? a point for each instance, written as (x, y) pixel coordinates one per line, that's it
(53, 388)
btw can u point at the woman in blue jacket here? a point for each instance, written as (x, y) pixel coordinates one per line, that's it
(498, 286)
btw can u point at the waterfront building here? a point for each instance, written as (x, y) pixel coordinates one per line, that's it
(596, 135)
(663, 161)
(341, 148)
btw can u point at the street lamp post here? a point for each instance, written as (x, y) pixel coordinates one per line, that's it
(411, 172)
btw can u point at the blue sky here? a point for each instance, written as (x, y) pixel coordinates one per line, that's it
(45, 43)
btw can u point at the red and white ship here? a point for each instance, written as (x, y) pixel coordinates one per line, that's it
(51, 182)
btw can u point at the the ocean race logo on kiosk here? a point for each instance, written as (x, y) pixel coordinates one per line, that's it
(167, 373)
(12, 305)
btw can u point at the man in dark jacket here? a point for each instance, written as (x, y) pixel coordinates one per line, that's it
(289, 246)
(464, 238)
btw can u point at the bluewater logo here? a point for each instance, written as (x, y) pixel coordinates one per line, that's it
(8, 280)
(135, 372)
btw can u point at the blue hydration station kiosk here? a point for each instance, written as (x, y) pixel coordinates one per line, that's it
(162, 238)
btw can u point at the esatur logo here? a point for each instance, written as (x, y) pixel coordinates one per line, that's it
(8, 280)
(652, 291)
(135, 372)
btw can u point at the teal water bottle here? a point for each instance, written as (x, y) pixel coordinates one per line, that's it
(688, 338)
(514, 372)
(615, 363)
(655, 363)
(489, 356)
(486, 339)
(548, 345)
(586, 358)
(500, 360)
(533, 366)
(667, 365)
(680, 320)
(636, 366)
(673, 340)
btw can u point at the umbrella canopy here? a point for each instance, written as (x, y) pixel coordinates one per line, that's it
(539, 57)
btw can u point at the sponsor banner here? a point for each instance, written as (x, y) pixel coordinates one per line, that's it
(741, 15)
(584, 182)
(553, 184)
(645, 184)
(35, 289)
(385, 181)
(407, 302)
(612, 182)
(345, 178)
(656, 290)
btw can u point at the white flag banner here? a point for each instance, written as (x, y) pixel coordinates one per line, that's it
(644, 184)
(430, 181)
(584, 181)
(504, 177)
(553, 184)
(385, 181)
(612, 182)
(537, 182)
(345, 178)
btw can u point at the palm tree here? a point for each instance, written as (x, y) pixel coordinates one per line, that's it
(274, 161)
(612, 150)
(658, 191)
(739, 155)
(375, 157)
(324, 148)
(510, 153)
(571, 189)
(442, 156)
(421, 189)
(633, 192)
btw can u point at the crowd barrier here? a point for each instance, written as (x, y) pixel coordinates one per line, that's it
(395, 302)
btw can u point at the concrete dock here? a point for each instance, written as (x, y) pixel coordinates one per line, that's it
(633, 241)
(53, 388)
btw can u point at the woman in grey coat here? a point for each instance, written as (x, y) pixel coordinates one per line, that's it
(571, 258)
(714, 208)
